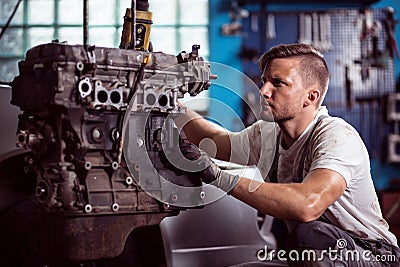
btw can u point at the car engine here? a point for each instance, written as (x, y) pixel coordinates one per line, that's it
(95, 120)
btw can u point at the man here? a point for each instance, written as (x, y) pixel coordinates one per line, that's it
(320, 182)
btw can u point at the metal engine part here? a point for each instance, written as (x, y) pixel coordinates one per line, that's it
(73, 102)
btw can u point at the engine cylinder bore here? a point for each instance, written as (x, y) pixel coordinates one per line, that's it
(85, 87)
(115, 97)
(102, 96)
(108, 97)
(150, 99)
(163, 100)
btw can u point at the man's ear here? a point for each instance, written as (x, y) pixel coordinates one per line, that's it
(313, 96)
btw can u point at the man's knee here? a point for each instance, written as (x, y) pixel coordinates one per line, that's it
(315, 235)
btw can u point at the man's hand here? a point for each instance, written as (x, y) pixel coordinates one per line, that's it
(197, 163)
(208, 169)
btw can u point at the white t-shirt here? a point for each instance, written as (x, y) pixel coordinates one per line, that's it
(335, 145)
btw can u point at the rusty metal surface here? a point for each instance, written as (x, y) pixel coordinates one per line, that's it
(91, 238)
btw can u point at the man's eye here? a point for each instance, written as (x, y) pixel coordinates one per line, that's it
(277, 83)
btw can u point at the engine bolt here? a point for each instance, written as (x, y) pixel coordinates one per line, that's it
(88, 165)
(97, 134)
(115, 207)
(88, 208)
(115, 134)
(140, 141)
(115, 165)
(129, 180)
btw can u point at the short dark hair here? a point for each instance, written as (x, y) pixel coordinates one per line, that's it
(313, 66)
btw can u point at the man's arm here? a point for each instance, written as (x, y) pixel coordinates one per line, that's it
(197, 128)
(296, 201)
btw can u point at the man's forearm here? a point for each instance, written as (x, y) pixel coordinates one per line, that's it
(304, 201)
(271, 198)
(197, 128)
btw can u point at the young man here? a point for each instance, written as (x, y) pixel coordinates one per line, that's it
(320, 181)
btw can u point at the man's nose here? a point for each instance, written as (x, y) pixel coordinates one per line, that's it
(266, 90)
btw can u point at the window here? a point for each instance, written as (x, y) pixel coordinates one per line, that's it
(177, 24)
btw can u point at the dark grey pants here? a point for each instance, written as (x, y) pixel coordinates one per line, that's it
(322, 244)
(319, 243)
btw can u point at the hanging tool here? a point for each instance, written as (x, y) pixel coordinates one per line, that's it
(305, 28)
(236, 14)
(348, 87)
(270, 33)
(316, 41)
(370, 31)
(254, 23)
(325, 31)
(390, 24)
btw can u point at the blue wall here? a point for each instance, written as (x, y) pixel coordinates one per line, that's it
(225, 50)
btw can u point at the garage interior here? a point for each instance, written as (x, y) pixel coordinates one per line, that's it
(114, 220)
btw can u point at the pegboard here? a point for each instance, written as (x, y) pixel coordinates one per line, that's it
(362, 75)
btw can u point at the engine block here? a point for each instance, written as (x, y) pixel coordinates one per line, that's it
(74, 102)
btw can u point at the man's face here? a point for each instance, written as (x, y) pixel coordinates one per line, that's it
(282, 94)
